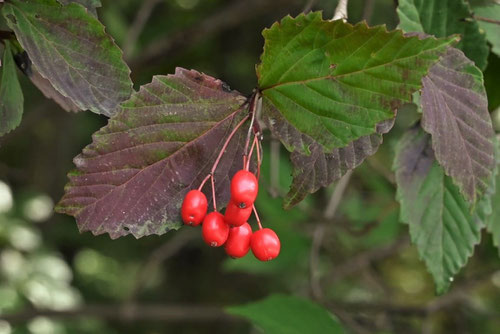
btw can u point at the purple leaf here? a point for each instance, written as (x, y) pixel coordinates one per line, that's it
(455, 113)
(161, 144)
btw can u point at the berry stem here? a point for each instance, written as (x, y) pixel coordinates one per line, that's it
(259, 158)
(249, 159)
(221, 153)
(216, 163)
(257, 217)
(204, 181)
(213, 191)
(252, 112)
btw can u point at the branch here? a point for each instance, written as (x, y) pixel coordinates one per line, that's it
(235, 14)
(362, 260)
(486, 19)
(160, 255)
(319, 232)
(368, 10)
(308, 6)
(340, 11)
(137, 26)
(135, 312)
(340, 188)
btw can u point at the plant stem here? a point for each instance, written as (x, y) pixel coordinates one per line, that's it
(252, 112)
(486, 19)
(257, 217)
(204, 181)
(340, 11)
(259, 158)
(221, 153)
(213, 191)
(254, 143)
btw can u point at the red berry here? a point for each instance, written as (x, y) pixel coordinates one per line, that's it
(194, 207)
(214, 229)
(244, 188)
(238, 242)
(236, 216)
(265, 244)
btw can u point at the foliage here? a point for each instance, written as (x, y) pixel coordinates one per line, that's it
(337, 97)
(11, 95)
(288, 315)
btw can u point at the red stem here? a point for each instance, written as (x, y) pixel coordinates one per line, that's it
(204, 181)
(257, 217)
(216, 163)
(247, 167)
(259, 159)
(213, 191)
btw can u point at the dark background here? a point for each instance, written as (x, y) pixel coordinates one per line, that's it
(360, 263)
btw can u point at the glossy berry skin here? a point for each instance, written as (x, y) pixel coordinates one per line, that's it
(244, 188)
(194, 208)
(214, 229)
(238, 242)
(265, 244)
(235, 216)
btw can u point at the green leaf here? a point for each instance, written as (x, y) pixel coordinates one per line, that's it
(439, 218)
(70, 48)
(333, 82)
(11, 95)
(455, 113)
(134, 175)
(91, 5)
(492, 29)
(280, 314)
(328, 87)
(444, 18)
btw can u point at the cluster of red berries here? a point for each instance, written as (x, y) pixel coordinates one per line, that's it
(232, 229)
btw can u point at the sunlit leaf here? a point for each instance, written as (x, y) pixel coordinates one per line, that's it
(441, 224)
(70, 48)
(161, 144)
(279, 314)
(455, 113)
(444, 18)
(11, 95)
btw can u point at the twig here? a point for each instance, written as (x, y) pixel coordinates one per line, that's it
(316, 290)
(334, 202)
(368, 10)
(486, 19)
(340, 11)
(135, 312)
(235, 14)
(361, 261)
(308, 6)
(137, 26)
(319, 232)
(157, 257)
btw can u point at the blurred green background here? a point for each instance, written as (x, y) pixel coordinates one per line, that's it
(365, 270)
